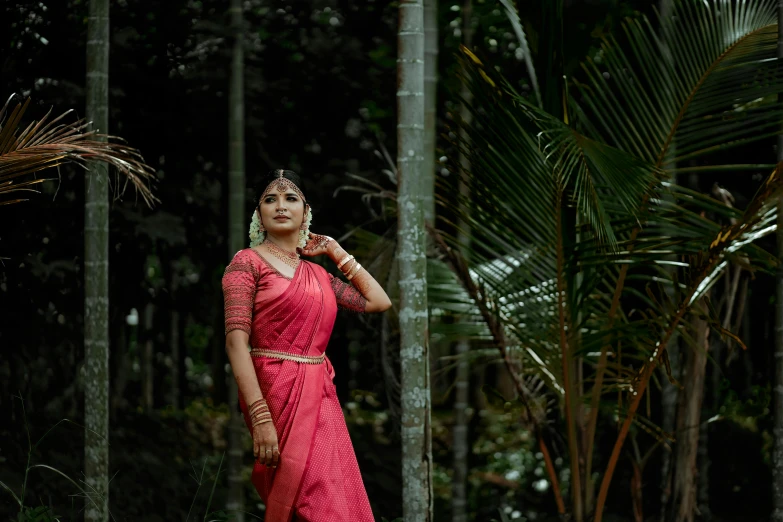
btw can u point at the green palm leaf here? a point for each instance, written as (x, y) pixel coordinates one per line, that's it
(549, 196)
(719, 89)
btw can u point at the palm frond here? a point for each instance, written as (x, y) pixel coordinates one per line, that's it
(50, 143)
(516, 24)
(598, 179)
(719, 89)
(702, 265)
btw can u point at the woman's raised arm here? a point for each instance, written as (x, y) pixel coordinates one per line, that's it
(360, 278)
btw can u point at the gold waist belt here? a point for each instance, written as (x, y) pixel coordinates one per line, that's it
(272, 354)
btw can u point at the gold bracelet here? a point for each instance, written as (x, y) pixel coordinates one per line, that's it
(262, 421)
(349, 266)
(259, 401)
(357, 269)
(347, 258)
(256, 409)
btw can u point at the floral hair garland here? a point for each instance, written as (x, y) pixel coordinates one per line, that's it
(257, 235)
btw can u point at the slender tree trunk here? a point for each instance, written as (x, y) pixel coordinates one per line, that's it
(439, 387)
(685, 477)
(237, 223)
(669, 396)
(777, 456)
(148, 360)
(96, 275)
(175, 356)
(220, 392)
(703, 460)
(460, 433)
(430, 106)
(119, 378)
(411, 241)
(459, 497)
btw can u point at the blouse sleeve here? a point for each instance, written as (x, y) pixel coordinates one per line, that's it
(348, 297)
(239, 290)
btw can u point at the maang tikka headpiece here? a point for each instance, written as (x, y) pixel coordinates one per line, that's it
(283, 184)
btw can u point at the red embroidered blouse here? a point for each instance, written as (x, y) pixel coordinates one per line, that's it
(250, 279)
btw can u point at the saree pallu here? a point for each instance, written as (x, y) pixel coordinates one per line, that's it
(317, 478)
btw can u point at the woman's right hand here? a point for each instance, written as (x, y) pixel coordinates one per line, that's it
(265, 447)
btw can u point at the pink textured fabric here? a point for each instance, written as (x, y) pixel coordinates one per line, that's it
(318, 478)
(348, 298)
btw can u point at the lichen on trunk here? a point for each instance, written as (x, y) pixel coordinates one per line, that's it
(96, 275)
(411, 255)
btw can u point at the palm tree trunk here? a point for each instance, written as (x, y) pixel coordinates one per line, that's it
(684, 491)
(237, 221)
(147, 360)
(777, 456)
(411, 241)
(119, 378)
(703, 459)
(174, 340)
(439, 388)
(125, 361)
(430, 105)
(459, 497)
(96, 275)
(669, 396)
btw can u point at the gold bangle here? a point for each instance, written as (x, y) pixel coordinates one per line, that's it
(358, 268)
(349, 266)
(347, 258)
(256, 409)
(259, 401)
(259, 422)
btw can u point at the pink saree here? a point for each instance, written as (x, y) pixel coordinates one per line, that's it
(317, 478)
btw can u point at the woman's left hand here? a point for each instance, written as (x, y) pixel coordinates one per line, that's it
(317, 245)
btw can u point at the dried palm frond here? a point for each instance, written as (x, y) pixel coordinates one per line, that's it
(50, 142)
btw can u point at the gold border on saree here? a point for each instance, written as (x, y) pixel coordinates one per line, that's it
(273, 354)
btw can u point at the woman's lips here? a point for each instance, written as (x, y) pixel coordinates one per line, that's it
(281, 218)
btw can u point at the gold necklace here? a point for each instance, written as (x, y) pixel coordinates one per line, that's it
(289, 258)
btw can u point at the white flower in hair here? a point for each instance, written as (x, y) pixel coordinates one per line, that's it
(256, 236)
(304, 234)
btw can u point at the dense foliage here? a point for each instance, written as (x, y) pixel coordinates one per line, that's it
(320, 98)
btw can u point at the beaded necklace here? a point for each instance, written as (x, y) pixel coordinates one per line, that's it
(289, 258)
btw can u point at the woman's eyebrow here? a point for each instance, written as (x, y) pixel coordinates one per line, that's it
(271, 194)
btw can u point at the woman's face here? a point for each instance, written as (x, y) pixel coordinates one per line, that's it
(281, 211)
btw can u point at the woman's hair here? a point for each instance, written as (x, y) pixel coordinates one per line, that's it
(273, 175)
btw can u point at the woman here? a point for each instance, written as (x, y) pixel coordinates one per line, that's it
(284, 309)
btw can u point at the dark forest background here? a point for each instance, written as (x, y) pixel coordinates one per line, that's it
(320, 99)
